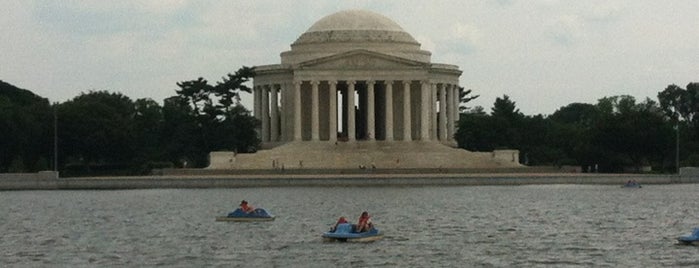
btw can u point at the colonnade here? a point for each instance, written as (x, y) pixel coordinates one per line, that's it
(349, 110)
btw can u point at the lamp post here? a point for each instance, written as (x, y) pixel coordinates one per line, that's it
(55, 138)
(677, 146)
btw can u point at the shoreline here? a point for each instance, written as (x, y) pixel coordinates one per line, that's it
(8, 182)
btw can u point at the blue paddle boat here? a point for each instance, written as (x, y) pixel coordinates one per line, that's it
(631, 184)
(345, 233)
(692, 239)
(259, 214)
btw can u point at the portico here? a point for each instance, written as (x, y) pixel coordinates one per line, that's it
(357, 109)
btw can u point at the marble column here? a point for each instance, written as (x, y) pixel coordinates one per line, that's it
(332, 117)
(433, 111)
(258, 102)
(351, 130)
(274, 108)
(424, 111)
(370, 114)
(297, 110)
(315, 124)
(265, 113)
(407, 128)
(389, 111)
(455, 117)
(442, 112)
(453, 100)
(282, 107)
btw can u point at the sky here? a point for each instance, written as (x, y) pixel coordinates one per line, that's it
(543, 54)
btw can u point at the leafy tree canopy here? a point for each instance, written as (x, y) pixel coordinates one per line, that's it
(505, 108)
(464, 98)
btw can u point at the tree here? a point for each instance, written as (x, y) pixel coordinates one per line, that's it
(181, 133)
(674, 101)
(583, 114)
(26, 128)
(638, 132)
(239, 128)
(476, 132)
(229, 89)
(225, 125)
(572, 129)
(147, 134)
(96, 128)
(505, 108)
(464, 98)
(501, 129)
(535, 141)
(682, 107)
(197, 93)
(508, 121)
(238, 123)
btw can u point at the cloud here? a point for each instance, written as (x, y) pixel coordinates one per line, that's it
(606, 12)
(464, 37)
(108, 17)
(575, 22)
(566, 30)
(565, 50)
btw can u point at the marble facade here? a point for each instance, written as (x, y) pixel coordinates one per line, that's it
(356, 79)
(356, 75)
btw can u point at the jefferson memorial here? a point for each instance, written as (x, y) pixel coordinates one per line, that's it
(357, 91)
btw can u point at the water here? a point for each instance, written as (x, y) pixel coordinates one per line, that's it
(490, 226)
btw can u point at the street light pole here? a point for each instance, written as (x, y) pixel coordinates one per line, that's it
(55, 138)
(677, 146)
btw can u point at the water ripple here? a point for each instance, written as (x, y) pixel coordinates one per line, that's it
(485, 226)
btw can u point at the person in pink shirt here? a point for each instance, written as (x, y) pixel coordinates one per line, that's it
(364, 224)
(245, 207)
(341, 220)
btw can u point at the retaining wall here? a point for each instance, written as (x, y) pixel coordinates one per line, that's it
(292, 180)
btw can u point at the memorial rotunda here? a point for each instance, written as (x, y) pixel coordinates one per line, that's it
(356, 90)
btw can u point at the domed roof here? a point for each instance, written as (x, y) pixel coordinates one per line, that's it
(355, 26)
(355, 20)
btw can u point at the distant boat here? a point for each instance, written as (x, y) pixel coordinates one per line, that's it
(344, 233)
(692, 239)
(259, 214)
(631, 184)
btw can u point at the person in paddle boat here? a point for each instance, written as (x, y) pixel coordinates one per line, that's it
(364, 224)
(341, 220)
(246, 208)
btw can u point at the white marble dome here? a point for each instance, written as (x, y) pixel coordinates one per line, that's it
(355, 20)
(355, 26)
(350, 30)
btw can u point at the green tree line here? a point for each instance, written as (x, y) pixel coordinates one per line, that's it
(106, 133)
(617, 134)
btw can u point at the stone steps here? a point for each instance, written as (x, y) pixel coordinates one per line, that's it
(360, 155)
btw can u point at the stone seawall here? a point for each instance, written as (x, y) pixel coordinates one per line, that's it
(295, 180)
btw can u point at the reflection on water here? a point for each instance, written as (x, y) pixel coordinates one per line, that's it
(536, 225)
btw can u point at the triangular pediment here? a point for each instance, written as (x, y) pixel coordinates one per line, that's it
(361, 59)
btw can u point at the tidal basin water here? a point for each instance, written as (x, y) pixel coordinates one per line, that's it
(475, 226)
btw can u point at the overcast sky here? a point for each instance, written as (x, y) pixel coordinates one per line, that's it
(543, 54)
